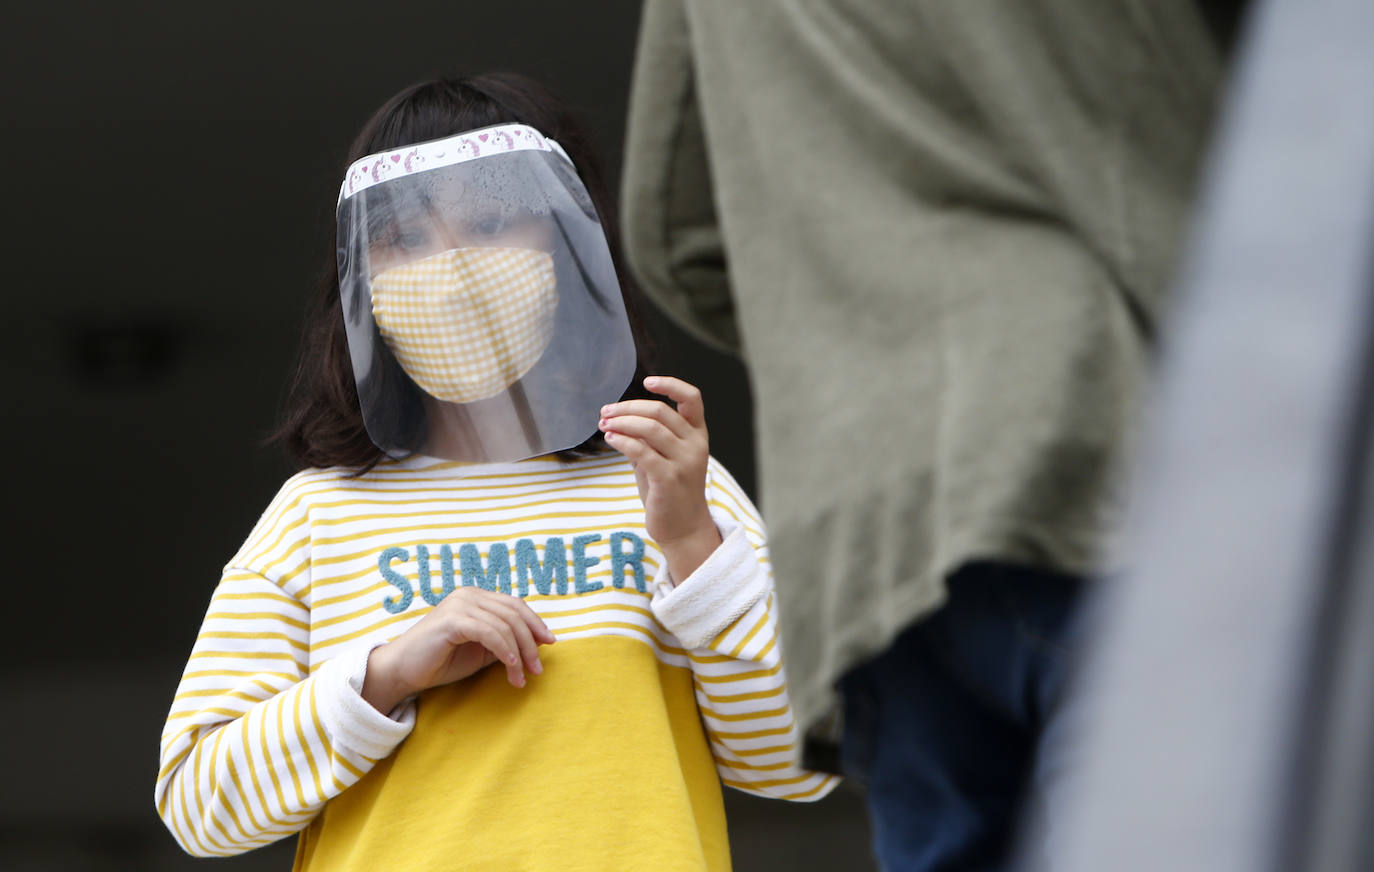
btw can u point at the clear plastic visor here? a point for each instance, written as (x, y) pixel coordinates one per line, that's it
(485, 322)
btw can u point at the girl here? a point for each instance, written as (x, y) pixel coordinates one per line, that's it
(461, 380)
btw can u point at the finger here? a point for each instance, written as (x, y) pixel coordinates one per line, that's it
(468, 597)
(640, 455)
(498, 638)
(655, 409)
(689, 403)
(524, 637)
(474, 627)
(536, 624)
(531, 618)
(653, 433)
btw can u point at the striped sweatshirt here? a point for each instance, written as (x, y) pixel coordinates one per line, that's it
(654, 694)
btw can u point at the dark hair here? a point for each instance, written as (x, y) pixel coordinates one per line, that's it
(322, 422)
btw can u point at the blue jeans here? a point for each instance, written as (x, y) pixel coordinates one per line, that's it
(952, 725)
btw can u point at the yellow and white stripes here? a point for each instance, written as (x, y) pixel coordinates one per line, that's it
(742, 695)
(267, 724)
(726, 611)
(246, 754)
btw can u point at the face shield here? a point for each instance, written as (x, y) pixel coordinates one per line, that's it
(485, 322)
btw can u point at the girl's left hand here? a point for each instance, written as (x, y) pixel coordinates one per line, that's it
(668, 449)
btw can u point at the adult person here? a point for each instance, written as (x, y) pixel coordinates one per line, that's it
(941, 236)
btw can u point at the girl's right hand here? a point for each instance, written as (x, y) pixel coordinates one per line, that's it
(470, 629)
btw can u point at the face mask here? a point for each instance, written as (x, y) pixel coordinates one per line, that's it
(467, 323)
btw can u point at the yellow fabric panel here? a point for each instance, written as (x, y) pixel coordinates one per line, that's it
(599, 764)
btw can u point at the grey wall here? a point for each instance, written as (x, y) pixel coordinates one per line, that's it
(168, 171)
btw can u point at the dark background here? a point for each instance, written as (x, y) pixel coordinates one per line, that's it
(169, 172)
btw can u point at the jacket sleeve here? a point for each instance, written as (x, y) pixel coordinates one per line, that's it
(725, 614)
(672, 236)
(256, 742)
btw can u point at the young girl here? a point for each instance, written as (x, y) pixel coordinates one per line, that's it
(461, 382)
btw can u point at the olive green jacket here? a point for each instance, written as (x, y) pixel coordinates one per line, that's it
(941, 235)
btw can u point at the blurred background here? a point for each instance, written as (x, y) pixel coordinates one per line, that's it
(170, 173)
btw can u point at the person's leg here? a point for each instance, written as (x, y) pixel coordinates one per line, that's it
(943, 726)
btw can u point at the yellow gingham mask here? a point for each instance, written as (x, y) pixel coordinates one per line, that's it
(467, 323)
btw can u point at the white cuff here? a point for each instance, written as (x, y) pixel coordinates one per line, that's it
(350, 720)
(713, 597)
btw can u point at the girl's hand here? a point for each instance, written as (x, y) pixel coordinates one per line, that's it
(668, 449)
(470, 629)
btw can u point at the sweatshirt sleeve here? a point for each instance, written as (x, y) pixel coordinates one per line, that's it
(255, 742)
(725, 614)
(672, 234)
